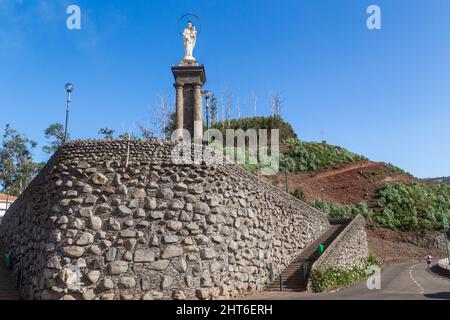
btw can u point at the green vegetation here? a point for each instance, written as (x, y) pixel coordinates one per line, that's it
(313, 156)
(398, 170)
(413, 206)
(337, 211)
(400, 206)
(337, 278)
(17, 167)
(55, 132)
(301, 156)
(269, 123)
(241, 156)
(438, 180)
(299, 194)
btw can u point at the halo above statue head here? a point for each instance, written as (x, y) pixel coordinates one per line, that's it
(189, 17)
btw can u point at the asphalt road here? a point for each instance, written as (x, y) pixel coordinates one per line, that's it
(406, 281)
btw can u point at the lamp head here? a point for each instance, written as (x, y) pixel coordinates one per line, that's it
(207, 94)
(69, 87)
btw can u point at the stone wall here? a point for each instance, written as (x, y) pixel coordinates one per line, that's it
(444, 266)
(119, 220)
(431, 240)
(349, 249)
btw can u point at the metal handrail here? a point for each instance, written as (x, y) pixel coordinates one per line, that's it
(281, 281)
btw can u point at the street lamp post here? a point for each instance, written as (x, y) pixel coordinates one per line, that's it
(285, 161)
(207, 94)
(69, 89)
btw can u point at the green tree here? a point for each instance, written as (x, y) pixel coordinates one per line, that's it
(55, 132)
(106, 133)
(17, 168)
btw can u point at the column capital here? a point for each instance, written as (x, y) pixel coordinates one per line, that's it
(178, 85)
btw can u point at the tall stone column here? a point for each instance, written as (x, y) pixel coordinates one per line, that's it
(179, 108)
(198, 112)
(189, 80)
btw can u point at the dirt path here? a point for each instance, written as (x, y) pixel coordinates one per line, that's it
(347, 184)
(350, 167)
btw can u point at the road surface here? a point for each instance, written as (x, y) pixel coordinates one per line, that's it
(406, 281)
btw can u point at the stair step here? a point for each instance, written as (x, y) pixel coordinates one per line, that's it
(289, 290)
(291, 281)
(293, 276)
(277, 285)
(286, 287)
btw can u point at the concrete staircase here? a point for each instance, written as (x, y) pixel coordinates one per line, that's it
(295, 276)
(8, 290)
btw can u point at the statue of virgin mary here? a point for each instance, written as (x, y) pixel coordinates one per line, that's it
(190, 39)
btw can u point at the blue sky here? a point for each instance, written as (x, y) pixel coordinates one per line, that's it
(382, 93)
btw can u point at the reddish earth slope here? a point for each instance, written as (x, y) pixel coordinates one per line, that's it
(394, 247)
(360, 181)
(347, 184)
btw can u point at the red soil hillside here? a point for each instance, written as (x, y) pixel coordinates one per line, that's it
(347, 184)
(356, 182)
(394, 246)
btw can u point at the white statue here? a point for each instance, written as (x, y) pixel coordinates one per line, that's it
(190, 38)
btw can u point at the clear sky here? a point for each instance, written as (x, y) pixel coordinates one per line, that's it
(382, 93)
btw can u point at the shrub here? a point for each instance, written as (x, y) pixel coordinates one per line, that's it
(398, 170)
(299, 194)
(268, 123)
(313, 156)
(413, 207)
(337, 211)
(337, 278)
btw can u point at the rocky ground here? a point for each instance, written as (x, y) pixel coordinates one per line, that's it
(393, 247)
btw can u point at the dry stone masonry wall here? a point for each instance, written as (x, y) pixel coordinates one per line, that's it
(349, 249)
(119, 220)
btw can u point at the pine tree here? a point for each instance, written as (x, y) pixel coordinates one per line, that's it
(56, 132)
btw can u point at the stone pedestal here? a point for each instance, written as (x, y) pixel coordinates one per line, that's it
(189, 80)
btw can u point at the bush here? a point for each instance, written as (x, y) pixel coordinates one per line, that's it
(399, 170)
(268, 123)
(337, 278)
(413, 207)
(337, 211)
(313, 156)
(299, 194)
